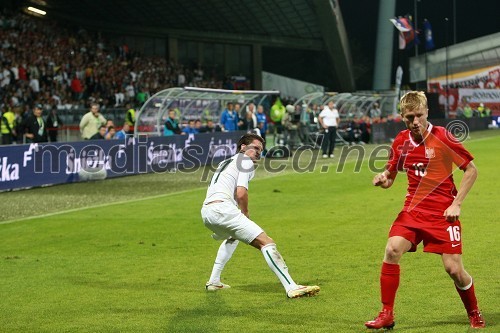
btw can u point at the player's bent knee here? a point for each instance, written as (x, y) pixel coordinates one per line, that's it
(261, 240)
(392, 253)
(454, 267)
(455, 271)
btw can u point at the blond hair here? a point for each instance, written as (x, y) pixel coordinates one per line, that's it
(412, 100)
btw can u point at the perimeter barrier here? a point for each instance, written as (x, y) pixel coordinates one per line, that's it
(34, 165)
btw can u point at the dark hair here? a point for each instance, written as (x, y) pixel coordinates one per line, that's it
(247, 139)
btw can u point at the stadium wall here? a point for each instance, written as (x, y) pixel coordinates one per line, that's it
(33, 165)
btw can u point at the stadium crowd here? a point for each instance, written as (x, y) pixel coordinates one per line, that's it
(45, 63)
(56, 68)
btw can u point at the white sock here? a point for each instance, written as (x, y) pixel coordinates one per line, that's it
(224, 253)
(278, 266)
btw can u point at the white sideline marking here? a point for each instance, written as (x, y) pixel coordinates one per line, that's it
(99, 206)
(118, 203)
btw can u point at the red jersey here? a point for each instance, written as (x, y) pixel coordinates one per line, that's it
(429, 168)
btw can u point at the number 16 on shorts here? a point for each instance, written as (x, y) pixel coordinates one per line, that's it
(454, 231)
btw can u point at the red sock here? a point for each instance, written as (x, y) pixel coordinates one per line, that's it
(389, 283)
(468, 298)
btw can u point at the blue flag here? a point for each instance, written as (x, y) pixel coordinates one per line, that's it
(429, 40)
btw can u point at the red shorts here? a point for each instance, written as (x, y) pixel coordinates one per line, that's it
(439, 236)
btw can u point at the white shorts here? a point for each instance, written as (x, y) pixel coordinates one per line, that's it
(226, 220)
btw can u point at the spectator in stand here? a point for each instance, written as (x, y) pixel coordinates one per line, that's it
(109, 124)
(141, 96)
(35, 86)
(262, 125)
(198, 125)
(365, 127)
(35, 128)
(86, 68)
(122, 134)
(262, 122)
(100, 135)
(130, 118)
(20, 121)
(23, 74)
(7, 125)
(487, 111)
(468, 111)
(460, 110)
(240, 112)
(76, 88)
(54, 124)
(251, 107)
(181, 79)
(249, 124)
(229, 119)
(375, 111)
(315, 111)
(171, 124)
(305, 122)
(110, 133)
(190, 128)
(6, 76)
(129, 91)
(354, 132)
(91, 122)
(241, 116)
(481, 110)
(211, 127)
(119, 97)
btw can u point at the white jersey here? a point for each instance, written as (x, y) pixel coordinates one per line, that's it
(329, 116)
(231, 173)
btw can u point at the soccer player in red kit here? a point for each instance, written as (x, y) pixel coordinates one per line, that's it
(431, 210)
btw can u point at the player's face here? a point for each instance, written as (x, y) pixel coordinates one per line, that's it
(416, 121)
(253, 150)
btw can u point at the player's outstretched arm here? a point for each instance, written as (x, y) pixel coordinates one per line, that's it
(384, 179)
(452, 213)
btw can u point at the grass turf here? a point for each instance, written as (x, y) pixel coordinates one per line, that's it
(140, 266)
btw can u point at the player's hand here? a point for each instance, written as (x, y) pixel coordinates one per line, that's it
(452, 213)
(380, 180)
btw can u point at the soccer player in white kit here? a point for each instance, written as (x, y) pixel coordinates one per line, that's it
(225, 212)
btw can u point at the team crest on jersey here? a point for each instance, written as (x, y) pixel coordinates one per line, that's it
(429, 152)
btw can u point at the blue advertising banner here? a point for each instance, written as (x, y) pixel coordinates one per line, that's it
(31, 165)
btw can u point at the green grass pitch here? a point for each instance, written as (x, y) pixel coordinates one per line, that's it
(132, 255)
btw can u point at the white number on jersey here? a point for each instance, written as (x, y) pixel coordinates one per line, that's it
(419, 169)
